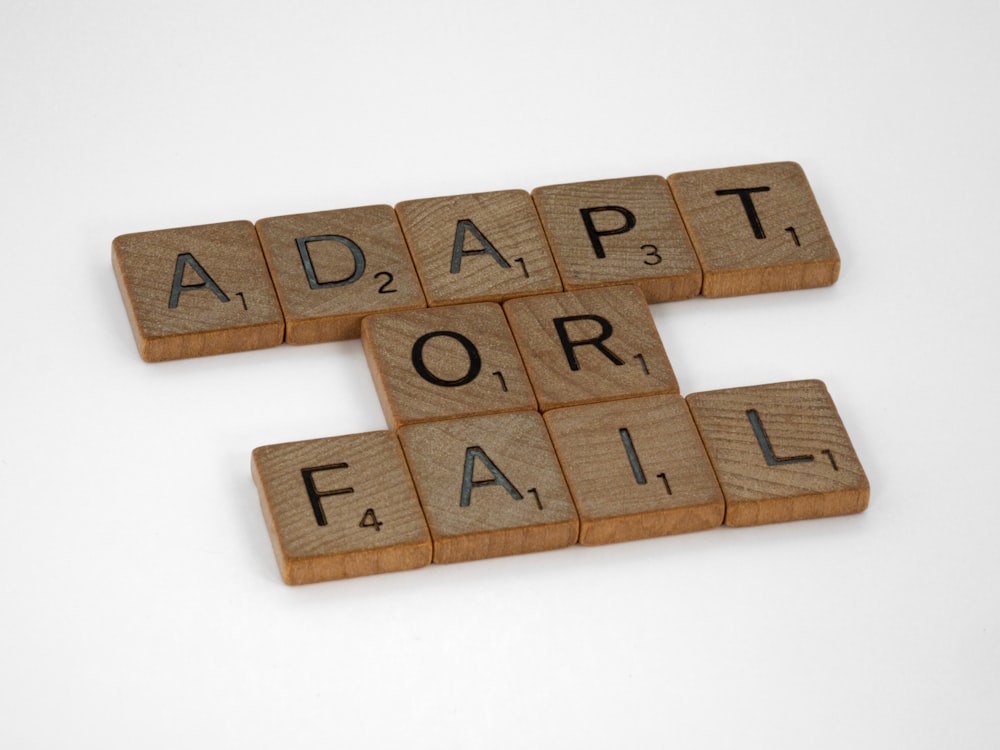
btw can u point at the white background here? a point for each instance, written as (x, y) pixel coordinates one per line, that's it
(140, 604)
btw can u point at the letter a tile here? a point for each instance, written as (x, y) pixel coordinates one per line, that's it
(340, 507)
(637, 469)
(445, 362)
(490, 486)
(756, 229)
(484, 247)
(590, 345)
(196, 291)
(781, 452)
(619, 231)
(331, 268)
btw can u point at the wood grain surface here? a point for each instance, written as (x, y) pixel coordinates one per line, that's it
(781, 452)
(195, 291)
(590, 345)
(331, 268)
(619, 231)
(636, 468)
(478, 247)
(490, 486)
(445, 362)
(369, 519)
(755, 229)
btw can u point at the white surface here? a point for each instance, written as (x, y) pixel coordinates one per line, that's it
(141, 605)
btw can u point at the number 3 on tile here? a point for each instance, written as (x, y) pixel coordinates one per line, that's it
(652, 254)
(370, 520)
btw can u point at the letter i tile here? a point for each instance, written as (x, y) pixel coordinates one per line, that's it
(490, 486)
(340, 507)
(781, 452)
(637, 469)
(756, 229)
(331, 268)
(195, 291)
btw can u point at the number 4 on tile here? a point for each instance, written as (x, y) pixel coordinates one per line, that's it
(370, 520)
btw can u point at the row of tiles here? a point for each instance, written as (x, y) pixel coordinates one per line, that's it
(538, 352)
(502, 484)
(313, 277)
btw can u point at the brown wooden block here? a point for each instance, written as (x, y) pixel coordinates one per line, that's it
(756, 229)
(636, 468)
(479, 247)
(781, 452)
(331, 268)
(590, 345)
(445, 362)
(490, 486)
(196, 291)
(619, 231)
(340, 507)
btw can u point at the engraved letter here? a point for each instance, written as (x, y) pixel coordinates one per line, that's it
(466, 225)
(744, 193)
(187, 259)
(307, 264)
(765, 443)
(417, 357)
(471, 454)
(595, 235)
(568, 345)
(633, 457)
(315, 495)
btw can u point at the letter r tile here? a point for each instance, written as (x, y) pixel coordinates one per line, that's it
(781, 452)
(340, 507)
(490, 486)
(637, 469)
(479, 247)
(195, 291)
(756, 229)
(590, 345)
(331, 268)
(445, 362)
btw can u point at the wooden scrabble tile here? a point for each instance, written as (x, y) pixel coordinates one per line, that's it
(445, 362)
(590, 345)
(619, 231)
(196, 291)
(780, 452)
(479, 247)
(490, 486)
(756, 229)
(636, 468)
(340, 507)
(331, 268)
